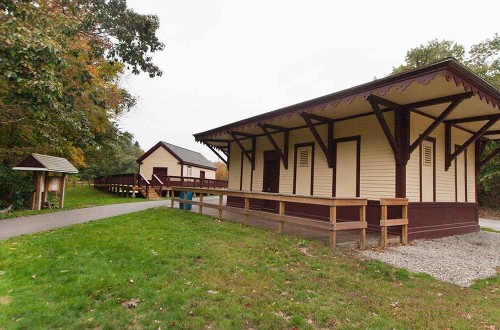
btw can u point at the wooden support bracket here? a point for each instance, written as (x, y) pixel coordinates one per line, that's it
(217, 153)
(326, 149)
(489, 157)
(450, 157)
(250, 155)
(283, 153)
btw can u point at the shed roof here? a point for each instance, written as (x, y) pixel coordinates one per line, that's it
(186, 156)
(45, 163)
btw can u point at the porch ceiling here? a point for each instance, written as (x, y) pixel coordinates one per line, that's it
(442, 79)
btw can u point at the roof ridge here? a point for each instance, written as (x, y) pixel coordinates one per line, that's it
(180, 147)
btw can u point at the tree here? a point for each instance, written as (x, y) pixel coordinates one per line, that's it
(483, 59)
(60, 67)
(221, 173)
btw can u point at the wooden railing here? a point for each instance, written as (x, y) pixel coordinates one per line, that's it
(333, 226)
(384, 222)
(182, 181)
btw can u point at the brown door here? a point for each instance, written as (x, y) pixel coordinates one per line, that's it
(202, 178)
(271, 179)
(160, 171)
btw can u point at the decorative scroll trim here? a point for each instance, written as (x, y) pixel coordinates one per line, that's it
(400, 86)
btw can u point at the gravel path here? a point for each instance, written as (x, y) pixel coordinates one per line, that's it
(458, 259)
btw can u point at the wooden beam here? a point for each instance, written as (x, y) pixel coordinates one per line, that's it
(438, 100)
(245, 152)
(383, 123)
(318, 118)
(216, 153)
(454, 104)
(492, 155)
(472, 119)
(275, 144)
(319, 140)
(242, 134)
(464, 146)
(492, 132)
(274, 127)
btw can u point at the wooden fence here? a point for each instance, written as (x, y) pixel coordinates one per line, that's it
(333, 226)
(384, 222)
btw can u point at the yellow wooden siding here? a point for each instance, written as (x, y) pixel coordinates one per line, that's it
(445, 180)
(234, 167)
(160, 158)
(377, 166)
(471, 174)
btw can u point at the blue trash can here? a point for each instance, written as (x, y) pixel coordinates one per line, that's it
(182, 196)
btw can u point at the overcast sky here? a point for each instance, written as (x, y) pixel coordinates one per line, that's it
(228, 60)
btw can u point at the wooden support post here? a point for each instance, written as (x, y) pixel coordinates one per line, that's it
(404, 228)
(46, 182)
(383, 239)
(362, 232)
(172, 200)
(62, 190)
(333, 221)
(221, 198)
(38, 191)
(245, 212)
(281, 224)
(200, 207)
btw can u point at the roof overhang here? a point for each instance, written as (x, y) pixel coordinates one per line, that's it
(442, 79)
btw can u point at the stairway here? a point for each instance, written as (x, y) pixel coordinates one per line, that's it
(151, 195)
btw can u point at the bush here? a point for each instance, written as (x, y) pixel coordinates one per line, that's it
(15, 188)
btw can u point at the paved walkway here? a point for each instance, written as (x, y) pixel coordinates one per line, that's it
(492, 224)
(41, 222)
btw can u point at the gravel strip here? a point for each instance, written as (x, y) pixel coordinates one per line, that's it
(458, 259)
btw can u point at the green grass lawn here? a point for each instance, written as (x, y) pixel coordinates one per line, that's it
(190, 272)
(77, 197)
(490, 230)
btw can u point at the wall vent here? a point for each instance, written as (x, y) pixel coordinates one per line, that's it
(304, 158)
(427, 155)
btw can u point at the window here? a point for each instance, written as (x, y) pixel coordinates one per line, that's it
(304, 158)
(427, 155)
(189, 171)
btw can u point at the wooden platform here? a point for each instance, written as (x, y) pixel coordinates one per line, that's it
(345, 239)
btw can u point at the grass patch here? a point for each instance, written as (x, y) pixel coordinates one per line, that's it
(183, 270)
(490, 230)
(78, 197)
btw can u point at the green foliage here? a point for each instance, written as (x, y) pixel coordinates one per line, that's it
(60, 69)
(483, 59)
(16, 187)
(431, 52)
(118, 156)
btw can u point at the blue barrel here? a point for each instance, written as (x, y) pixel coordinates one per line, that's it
(189, 196)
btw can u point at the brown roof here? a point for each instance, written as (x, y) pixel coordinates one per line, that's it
(186, 156)
(470, 80)
(45, 163)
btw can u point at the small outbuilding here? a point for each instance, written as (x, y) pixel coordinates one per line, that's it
(50, 175)
(167, 160)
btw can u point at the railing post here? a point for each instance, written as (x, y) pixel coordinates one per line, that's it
(362, 233)
(333, 221)
(404, 229)
(200, 207)
(220, 206)
(281, 211)
(245, 212)
(383, 231)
